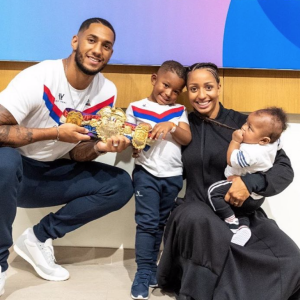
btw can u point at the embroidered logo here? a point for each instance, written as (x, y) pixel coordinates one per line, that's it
(88, 103)
(60, 96)
(137, 194)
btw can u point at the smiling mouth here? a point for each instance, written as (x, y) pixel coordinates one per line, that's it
(95, 60)
(203, 104)
(164, 99)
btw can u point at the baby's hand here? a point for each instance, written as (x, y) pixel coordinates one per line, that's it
(237, 136)
(161, 129)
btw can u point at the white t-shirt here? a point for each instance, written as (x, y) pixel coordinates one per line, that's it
(252, 158)
(37, 96)
(163, 159)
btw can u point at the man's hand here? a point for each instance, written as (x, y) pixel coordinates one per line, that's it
(116, 143)
(72, 133)
(238, 192)
(85, 151)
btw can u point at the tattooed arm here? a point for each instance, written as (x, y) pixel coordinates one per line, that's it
(14, 135)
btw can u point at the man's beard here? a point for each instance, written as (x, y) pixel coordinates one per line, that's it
(82, 68)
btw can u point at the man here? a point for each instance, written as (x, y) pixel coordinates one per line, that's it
(32, 144)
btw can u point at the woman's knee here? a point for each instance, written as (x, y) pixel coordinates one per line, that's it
(191, 217)
(197, 211)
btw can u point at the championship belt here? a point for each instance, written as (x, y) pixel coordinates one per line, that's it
(108, 122)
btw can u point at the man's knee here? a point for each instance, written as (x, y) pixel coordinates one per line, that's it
(10, 163)
(126, 187)
(123, 189)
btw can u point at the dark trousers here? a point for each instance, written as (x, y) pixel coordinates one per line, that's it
(90, 190)
(216, 195)
(154, 200)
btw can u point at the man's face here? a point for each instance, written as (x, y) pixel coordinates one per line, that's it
(93, 48)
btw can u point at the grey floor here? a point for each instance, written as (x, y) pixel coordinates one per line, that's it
(96, 273)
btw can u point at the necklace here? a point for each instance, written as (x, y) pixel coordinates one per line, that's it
(209, 120)
(82, 95)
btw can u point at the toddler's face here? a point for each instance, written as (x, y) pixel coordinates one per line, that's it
(167, 86)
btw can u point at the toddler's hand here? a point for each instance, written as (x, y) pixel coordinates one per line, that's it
(135, 152)
(146, 125)
(161, 129)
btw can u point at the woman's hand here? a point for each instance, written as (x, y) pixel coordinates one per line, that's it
(238, 192)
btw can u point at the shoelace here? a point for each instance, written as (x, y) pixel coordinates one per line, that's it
(48, 250)
(143, 278)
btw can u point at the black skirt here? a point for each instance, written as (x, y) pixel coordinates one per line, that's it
(199, 260)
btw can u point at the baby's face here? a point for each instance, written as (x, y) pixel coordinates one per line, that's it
(255, 129)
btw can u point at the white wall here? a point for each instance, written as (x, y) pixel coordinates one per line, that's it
(285, 207)
(117, 230)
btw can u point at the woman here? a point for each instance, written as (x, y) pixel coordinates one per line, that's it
(198, 261)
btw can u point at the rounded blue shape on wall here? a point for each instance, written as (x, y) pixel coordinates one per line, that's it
(262, 34)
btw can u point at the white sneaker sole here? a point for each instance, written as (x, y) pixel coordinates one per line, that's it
(37, 269)
(241, 237)
(138, 297)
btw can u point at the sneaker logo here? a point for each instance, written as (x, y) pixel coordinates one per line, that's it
(137, 194)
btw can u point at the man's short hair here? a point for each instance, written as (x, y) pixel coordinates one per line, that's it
(86, 24)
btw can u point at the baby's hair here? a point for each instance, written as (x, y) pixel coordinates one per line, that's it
(175, 67)
(278, 119)
(212, 68)
(86, 24)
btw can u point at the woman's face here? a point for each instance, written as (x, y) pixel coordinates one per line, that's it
(203, 92)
